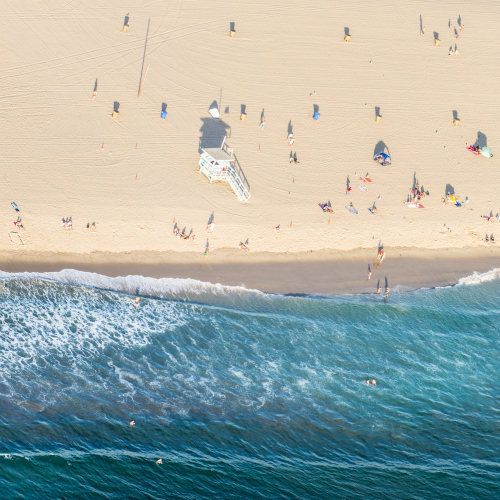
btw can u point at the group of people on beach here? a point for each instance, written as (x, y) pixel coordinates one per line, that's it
(67, 224)
(182, 234)
(416, 194)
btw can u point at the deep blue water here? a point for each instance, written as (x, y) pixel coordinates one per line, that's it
(246, 395)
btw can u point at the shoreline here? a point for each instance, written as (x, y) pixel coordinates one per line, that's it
(320, 272)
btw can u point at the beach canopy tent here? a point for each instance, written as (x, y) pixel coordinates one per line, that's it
(486, 152)
(386, 159)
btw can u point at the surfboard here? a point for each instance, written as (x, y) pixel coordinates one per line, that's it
(362, 188)
(366, 179)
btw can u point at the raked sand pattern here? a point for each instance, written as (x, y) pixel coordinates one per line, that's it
(63, 155)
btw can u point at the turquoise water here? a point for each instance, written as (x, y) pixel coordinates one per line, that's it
(246, 395)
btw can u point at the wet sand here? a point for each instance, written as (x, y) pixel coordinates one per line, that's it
(322, 272)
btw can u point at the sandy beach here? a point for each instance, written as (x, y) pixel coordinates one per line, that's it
(136, 175)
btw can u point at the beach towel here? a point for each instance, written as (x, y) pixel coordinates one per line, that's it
(362, 188)
(15, 207)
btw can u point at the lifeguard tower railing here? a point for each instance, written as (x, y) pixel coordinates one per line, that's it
(217, 165)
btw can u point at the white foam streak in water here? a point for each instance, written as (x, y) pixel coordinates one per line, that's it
(165, 288)
(477, 278)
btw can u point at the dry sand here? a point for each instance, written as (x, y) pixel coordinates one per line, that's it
(53, 165)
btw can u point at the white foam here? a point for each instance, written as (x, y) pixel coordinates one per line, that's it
(165, 288)
(478, 278)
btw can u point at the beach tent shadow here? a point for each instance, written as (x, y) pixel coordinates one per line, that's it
(481, 140)
(381, 147)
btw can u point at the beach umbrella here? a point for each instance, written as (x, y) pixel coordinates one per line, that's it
(316, 115)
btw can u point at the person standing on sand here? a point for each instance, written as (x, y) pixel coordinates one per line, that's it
(387, 290)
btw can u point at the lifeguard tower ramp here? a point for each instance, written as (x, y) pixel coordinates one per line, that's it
(218, 165)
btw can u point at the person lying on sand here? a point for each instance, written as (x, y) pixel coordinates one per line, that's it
(245, 247)
(326, 208)
(488, 218)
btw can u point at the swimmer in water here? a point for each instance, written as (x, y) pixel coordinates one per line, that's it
(367, 382)
(132, 423)
(159, 461)
(374, 382)
(136, 303)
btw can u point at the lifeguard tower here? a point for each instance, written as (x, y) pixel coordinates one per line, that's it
(218, 165)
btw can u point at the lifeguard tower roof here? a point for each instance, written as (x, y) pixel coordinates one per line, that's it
(218, 154)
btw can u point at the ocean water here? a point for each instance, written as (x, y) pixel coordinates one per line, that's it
(245, 395)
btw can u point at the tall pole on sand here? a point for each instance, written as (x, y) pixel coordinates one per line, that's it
(142, 83)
